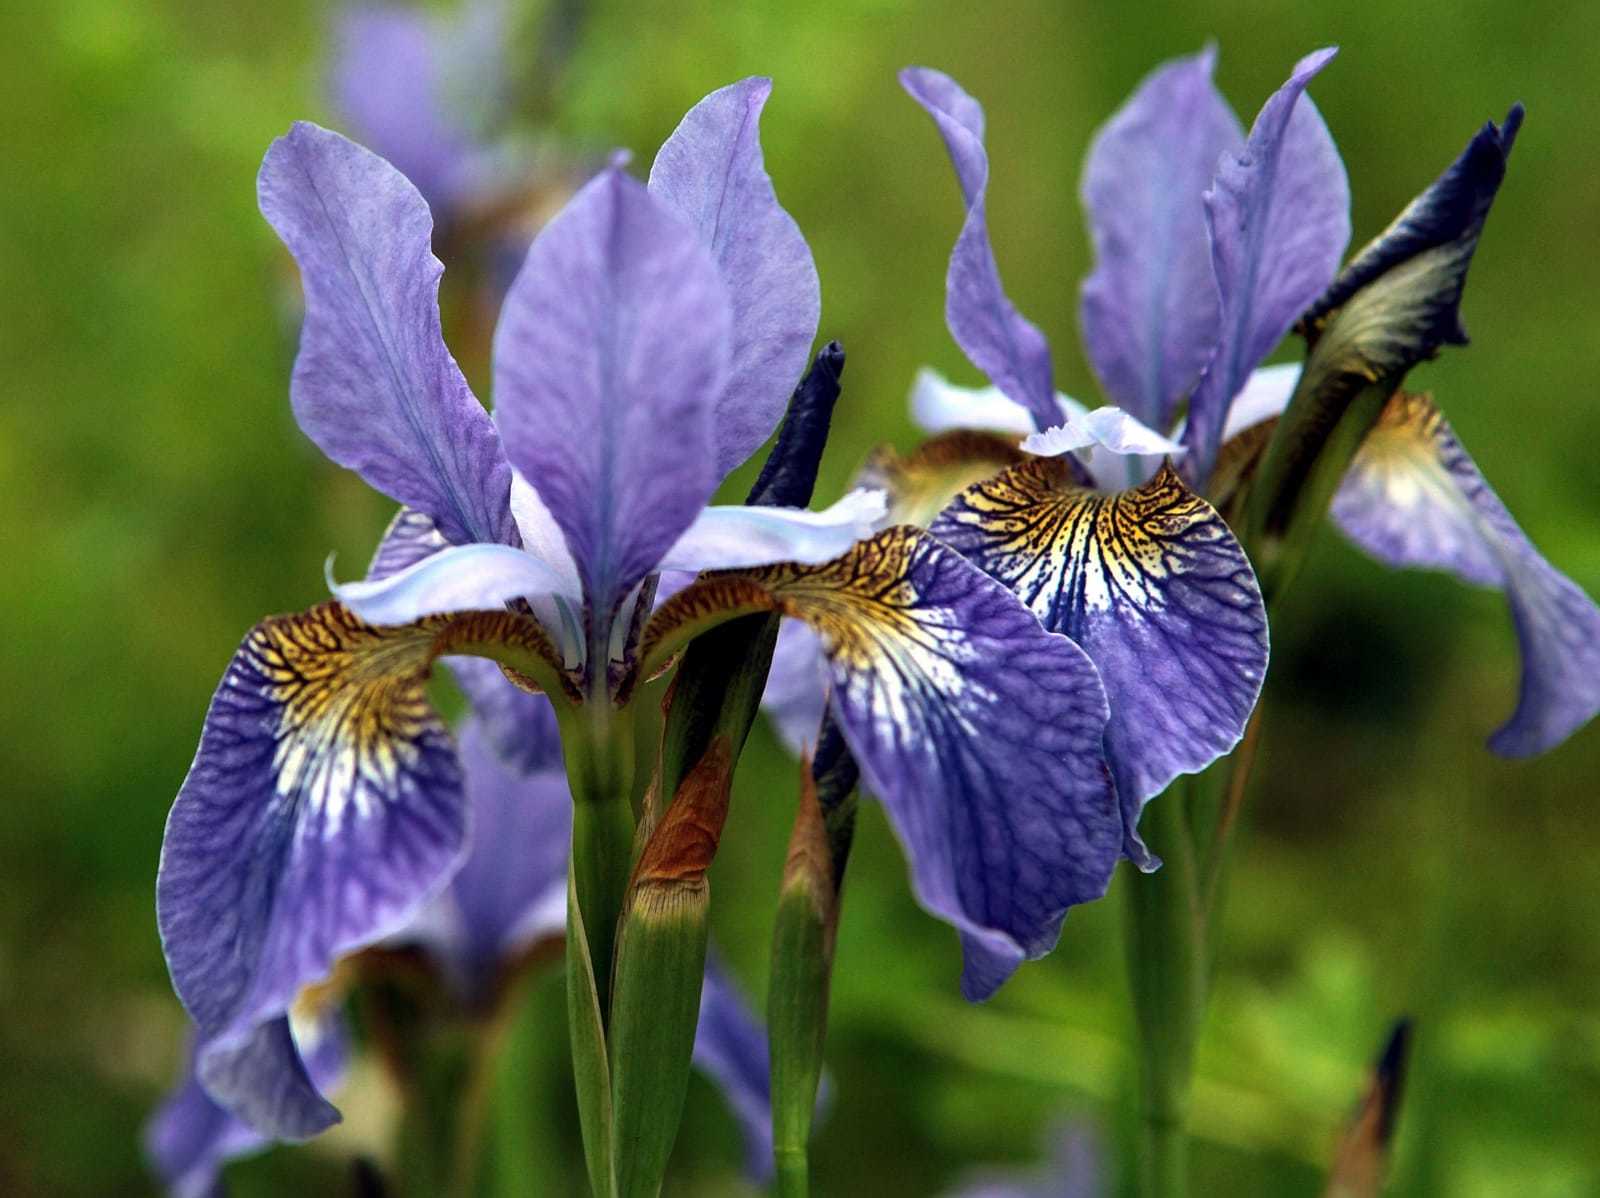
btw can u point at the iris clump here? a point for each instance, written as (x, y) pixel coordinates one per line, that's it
(1015, 637)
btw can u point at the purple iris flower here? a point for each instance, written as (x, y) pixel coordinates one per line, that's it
(1192, 289)
(648, 346)
(1209, 247)
(508, 894)
(428, 91)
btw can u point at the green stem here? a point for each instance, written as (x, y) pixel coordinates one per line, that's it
(793, 1176)
(1166, 970)
(597, 740)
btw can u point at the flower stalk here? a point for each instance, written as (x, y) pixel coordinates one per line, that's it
(1166, 936)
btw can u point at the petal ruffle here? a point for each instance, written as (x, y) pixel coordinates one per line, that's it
(938, 406)
(323, 808)
(1108, 428)
(1149, 310)
(710, 172)
(998, 339)
(1154, 587)
(1413, 497)
(374, 385)
(1279, 216)
(728, 537)
(190, 1138)
(980, 732)
(610, 357)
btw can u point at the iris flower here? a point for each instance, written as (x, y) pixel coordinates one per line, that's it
(1209, 247)
(648, 346)
(508, 896)
(429, 92)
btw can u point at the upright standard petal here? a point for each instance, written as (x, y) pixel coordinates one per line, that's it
(710, 172)
(1279, 216)
(1413, 497)
(610, 358)
(1154, 587)
(1149, 310)
(322, 809)
(374, 385)
(980, 732)
(985, 323)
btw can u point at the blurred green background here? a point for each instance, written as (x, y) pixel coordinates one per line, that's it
(162, 500)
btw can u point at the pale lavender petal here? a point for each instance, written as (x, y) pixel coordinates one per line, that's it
(1413, 497)
(1149, 310)
(374, 385)
(322, 810)
(994, 335)
(190, 1138)
(411, 537)
(710, 172)
(797, 687)
(461, 578)
(730, 1048)
(938, 405)
(610, 358)
(388, 85)
(727, 536)
(1154, 587)
(511, 889)
(1279, 216)
(521, 726)
(1108, 428)
(1266, 393)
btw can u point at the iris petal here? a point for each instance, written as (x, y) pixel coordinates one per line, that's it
(1279, 216)
(323, 808)
(1149, 310)
(609, 359)
(190, 1138)
(374, 385)
(730, 1048)
(710, 171)
(1154, 587)
(460, 578)
(980, 732)
(985, 323)
(411, 536)
(725, 537)
(1413, 497)
(511, 889)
